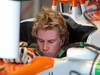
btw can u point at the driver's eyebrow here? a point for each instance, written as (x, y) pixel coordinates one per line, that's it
(51, 40)
(39, 38)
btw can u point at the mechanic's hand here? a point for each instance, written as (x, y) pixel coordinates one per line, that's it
(25, 55)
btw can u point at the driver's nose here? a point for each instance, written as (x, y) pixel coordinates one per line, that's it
(45, 48)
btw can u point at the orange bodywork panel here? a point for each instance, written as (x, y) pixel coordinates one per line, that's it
(38, 64)
(65, 1)
(54, 2)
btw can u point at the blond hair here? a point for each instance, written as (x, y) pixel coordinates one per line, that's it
(48, 19)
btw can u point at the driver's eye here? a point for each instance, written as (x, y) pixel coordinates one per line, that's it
(51, 41)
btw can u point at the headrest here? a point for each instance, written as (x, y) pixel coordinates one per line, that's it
(94, 38)
(81, 54)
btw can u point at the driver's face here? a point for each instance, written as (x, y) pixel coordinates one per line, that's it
(49, 41)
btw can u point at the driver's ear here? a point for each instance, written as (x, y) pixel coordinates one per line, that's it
(62, 42)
